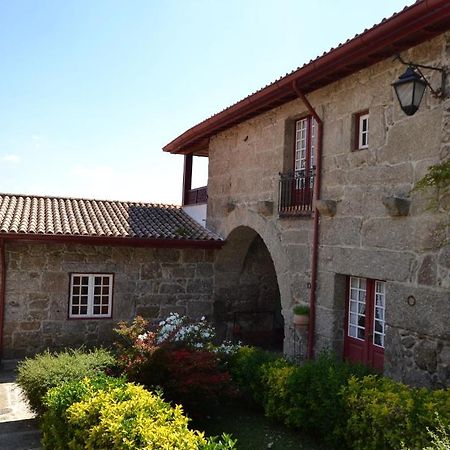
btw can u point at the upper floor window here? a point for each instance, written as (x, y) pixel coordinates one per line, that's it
(90, 295)
(362, 130)
(305, 143)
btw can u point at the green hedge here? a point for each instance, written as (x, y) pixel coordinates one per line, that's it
(308, 396)
(385, 414)
(108, 413)
(343, 403)
(246, 367)
(37, 375)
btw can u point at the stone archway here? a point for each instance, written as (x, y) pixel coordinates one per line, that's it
(247, 304)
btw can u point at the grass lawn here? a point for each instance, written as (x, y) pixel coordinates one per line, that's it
(254, 431)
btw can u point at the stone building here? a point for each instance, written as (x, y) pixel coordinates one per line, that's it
(70, 269)
(310, 185)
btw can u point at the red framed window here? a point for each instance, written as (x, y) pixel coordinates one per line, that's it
(361, 139)
(365, 321)
(90, 295)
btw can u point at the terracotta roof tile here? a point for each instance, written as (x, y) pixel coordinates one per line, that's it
(29, 214)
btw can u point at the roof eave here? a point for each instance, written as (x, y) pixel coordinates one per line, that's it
(112, 240)
(380, 42)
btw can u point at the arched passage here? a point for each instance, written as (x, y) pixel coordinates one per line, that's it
(247, 304)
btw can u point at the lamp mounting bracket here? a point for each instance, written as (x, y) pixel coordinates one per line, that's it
(437, 93)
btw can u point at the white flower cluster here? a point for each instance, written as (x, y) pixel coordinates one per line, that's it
(228, 348)
(143, 337)
(177, 328)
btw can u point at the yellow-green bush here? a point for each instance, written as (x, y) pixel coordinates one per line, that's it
(385, 414)
(108, 413)
(56, 432)
(130, 418)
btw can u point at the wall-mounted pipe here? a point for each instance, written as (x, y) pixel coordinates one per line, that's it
(315, 239)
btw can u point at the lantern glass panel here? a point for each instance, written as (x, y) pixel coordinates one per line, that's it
(419, 89)
(404, 93)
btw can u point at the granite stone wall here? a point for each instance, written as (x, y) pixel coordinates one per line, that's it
(381, 229)
(150, 282)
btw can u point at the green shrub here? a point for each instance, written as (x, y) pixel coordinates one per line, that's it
(246, 369)
(224, 442)
(277, 396)
(440, 438)
(108, 413)
(308, 396)
(37, 375)
(385, 414)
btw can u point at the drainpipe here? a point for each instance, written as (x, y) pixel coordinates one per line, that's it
(315, 239)
(2, 292)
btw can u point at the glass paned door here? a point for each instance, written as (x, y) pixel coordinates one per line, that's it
(301, 141)
(378, 317)
(365, 322)
(304, 154)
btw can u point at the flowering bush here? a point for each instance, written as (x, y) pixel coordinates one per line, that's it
(136, 348)
(195, 378)
(179, 356)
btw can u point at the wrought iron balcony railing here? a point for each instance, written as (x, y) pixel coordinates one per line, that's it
(295, 193)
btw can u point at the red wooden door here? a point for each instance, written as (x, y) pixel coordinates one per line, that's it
(365, 322)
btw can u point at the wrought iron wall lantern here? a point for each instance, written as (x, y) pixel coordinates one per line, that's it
(411, 86)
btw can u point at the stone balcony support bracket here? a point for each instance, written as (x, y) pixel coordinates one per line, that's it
(326, 207)
(396, 206)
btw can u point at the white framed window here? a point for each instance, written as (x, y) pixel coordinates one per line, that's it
(305, 143)
(363, 130)
(357, 308)
(301, 130)
(366, 310)
(379, 313)
(90, 295)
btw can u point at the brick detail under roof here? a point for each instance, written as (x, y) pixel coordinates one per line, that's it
(23, 214)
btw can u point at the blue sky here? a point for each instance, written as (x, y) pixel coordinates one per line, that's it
(90, 91)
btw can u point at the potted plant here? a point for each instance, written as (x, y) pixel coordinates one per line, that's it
(301, 315)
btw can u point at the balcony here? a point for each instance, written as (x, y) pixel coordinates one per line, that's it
(295, 193)
(196, 196)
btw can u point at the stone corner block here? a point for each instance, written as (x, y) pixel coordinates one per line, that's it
(396, 206)
(326, 207)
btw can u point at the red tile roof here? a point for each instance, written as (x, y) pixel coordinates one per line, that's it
(55, 216)
(417, 23)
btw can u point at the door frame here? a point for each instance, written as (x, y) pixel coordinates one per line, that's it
(372, 355)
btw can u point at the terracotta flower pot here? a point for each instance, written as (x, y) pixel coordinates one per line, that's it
(300, 320)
